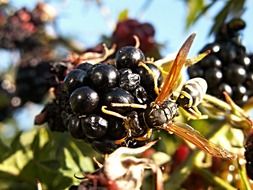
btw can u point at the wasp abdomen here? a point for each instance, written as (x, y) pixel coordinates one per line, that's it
(192, 92)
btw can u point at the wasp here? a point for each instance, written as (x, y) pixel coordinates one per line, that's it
(160, 113)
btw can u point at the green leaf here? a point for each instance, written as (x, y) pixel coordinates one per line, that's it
(194, 8)
(231, 9)
(3, 150)
(123, 15)
(39, 154)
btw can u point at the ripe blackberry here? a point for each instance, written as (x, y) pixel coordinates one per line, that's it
(128, 80)
(94, 126)
(104, 146)
(140, 95)
(118, 95)
(84, 66)
(84, 100)
(80, 97)
(129, 57)
(149, 78)
(74, 79)
(225, 68)
(116, 129)
(104, 76)
(75, 127)
(33, 81)
(56, 113)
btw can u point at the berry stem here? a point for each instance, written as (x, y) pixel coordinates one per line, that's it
(212, 179)
(243, 176)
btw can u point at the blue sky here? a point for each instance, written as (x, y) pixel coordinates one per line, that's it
(83, 21)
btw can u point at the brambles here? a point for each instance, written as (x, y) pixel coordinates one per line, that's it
(227, 67)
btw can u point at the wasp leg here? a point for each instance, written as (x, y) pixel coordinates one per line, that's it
(113, 113)
(154, 76)
(194, 113)
(196, 59)
(146, 136)
(121, 141)
(140, 106)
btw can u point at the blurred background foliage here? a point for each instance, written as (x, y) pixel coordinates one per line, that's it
(35, 154)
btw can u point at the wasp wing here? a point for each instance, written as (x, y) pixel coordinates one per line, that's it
(186, 132)
(175, 70)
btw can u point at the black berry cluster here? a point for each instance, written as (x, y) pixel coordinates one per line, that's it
(35, 77)
(88, 88)
(228, 67)
(22, 29)
(249, 155)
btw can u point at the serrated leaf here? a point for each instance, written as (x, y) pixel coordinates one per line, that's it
(123, 15)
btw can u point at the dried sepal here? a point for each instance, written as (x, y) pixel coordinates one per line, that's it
(92, 57)
(235, 115)
(123, 171)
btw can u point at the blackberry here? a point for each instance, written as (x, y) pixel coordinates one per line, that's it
(104, 146)
(149, 77)
(94, 126)
(140, 95)
(75, 127)
(213, 76)
(118, 95)
(225, 68)
(84, 66)
(104, 76)
(33, 81)
(237, 73)
(74, 79)
(80, 97)
(116, 130)
(129, 57)
(83, 100)
(128, 80)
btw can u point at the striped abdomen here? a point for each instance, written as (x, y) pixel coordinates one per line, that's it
(192, 92)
